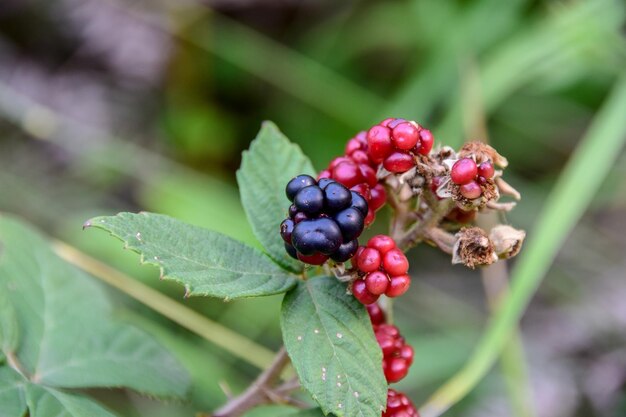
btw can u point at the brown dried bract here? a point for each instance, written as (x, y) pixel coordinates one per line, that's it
(473, 247)
(507, 240)
(481, 152)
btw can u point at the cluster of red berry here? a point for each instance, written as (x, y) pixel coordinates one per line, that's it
(397, 358)
(357, 171)
(382, 269)
(469, 176)
(396, 142)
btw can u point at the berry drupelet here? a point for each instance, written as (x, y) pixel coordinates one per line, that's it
(469, 176)
(397, 355)
(382, 269)
(398, 405)
(357, 172)
(396, 142)
(324, 220)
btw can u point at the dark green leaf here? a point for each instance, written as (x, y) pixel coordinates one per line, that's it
(329, 338)
(265, 171)
(205, 262)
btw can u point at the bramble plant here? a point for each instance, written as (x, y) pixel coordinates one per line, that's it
(336, 312)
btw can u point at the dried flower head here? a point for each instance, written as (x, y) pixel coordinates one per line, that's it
(473, 247)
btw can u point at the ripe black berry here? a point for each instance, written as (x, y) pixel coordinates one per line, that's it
(345, 251)
(309, 200)
(291, 251)
(337, 197)
(359, 203)
(324, 221)
(323, 182)
(286, 229)
(321, 235)
(297, 184)
(351, 222)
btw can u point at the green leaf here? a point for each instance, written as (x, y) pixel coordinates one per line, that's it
(48, 402)
(68, 337)
(8, 325)
(266, 168)
(205, 262)
(12, 401)
(329, 338)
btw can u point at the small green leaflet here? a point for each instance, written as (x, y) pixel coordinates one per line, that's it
(205, 262)
(329, 338)
(64, 334)
(266, 168)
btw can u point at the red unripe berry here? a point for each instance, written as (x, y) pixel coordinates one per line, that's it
(427, 141)
(395, 122)
(368, 174)
(398, 285)
(347, 173)
(371, 216)
(382, 243)
(399, 162)
(486, 170)
(353, 145)
(379, 143)
(369, 260)
(396, 369)
(405, 135)
(315, 259)
(471, 190)
(377, 315)
(362, 189)
(398, 405)
(463, 171)
(378, 197)
(361, 293)
(407, 354)
(360, 157)
(386, 121)
(376, 282)
(337, 161)
(324, 174)
(395, 262)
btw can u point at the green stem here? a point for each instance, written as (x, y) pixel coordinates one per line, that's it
(566, 204)
(221, 336)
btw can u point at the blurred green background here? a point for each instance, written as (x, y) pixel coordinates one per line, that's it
(111, 105)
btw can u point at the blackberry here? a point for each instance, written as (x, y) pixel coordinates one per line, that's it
(324, 221)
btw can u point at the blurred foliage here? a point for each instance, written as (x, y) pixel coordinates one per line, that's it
(107, 105)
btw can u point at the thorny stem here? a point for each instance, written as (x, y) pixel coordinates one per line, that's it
(262, 390)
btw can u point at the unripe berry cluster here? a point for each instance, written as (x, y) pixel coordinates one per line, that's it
(397, 355)
(469, 176)
(399, 405)
(396, 142)
(356, 171)
(382, 269)
(324, 220)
